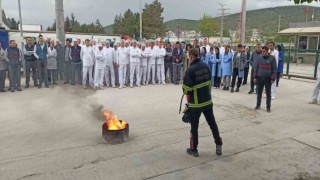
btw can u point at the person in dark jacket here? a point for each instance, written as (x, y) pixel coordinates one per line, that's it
(239, 61)
(60, 60)
(3, 68)
(265, 73)
(280, 63)
(253, 60)
(177, 58)
(246, 67)
(197, 87)
(14, 58)
(40, 52)
(30, 62)
(168, 62)
(76, 64)
(67, 61)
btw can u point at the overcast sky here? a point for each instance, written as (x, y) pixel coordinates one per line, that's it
(43, 11)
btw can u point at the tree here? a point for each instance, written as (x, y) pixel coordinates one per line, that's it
(128, 24)
(13, 24)
(208, 26)
(118, 24)
(53, 27)
(152, 20)
(304, 1)
(281, 38)
(67, 24)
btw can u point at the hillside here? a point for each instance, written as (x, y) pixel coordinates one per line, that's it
(266, 20)
(185, 24)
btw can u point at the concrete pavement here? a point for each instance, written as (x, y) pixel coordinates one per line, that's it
(56, 134)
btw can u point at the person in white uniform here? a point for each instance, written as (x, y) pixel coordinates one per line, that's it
(134, 64)
(99, 67)
(116, 66)
(161, 53)
(87, 56)
(110, 60)
(127, 46)
(151, 63)
(275, 53)
(123, 63)
(143, 64)
(315, 96)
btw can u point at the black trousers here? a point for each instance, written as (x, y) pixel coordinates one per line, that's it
(278, 78)
(168, 66)
(208, 114)
(261, 84)
(252, 81)
(31, 66)
(245, 78)
(235, 74)
(217, 80)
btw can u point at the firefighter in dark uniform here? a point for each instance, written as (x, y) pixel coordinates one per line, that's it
(197, 88)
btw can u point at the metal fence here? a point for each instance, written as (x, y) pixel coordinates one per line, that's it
(301, 63)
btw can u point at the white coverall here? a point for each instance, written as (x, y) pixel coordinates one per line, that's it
(135, 65)
(109, 69)
(274, 53)
(161, 53)
(87, 56)
(99, 68)
(123, 63)
(314, 98)
(151, 64)
(144, 66)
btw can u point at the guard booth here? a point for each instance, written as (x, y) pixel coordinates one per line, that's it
(4, 38)
(302, 60)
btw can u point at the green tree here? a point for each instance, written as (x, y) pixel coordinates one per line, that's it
(67, 24)
(281, 38)
(53, 27)
(208, 26)
(152, 20)
(98, 27)
(304, 1)
(118, 25)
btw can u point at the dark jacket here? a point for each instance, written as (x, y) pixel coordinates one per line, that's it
(266, 67)
(254, 58)
(175, 55)
(42, 52)
(75, 54)
(60, 53)
(168, 57)
(248, 58)
(243, 59)
(67, 54)
(197, 86)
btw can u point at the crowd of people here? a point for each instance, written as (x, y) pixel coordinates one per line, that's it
(132, 63)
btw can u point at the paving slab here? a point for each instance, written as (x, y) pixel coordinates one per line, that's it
(56, 134)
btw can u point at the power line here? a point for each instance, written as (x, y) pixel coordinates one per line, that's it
(222, 14)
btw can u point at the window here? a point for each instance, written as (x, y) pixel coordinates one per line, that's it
(313, 43)
(303, 42)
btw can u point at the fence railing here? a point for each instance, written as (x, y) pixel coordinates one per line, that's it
(301, 63)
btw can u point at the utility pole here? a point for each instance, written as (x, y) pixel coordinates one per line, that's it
(1, 13)
(279, 23)
(60, 21)
(178, 32)
(243, 22)
(222, 18)
(140, 20)
(21, 34)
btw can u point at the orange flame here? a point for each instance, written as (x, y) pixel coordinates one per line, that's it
(112, 121)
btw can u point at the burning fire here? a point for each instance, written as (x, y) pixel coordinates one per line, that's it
(112, 121)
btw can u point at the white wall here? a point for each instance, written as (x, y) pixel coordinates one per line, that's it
(15, 35)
